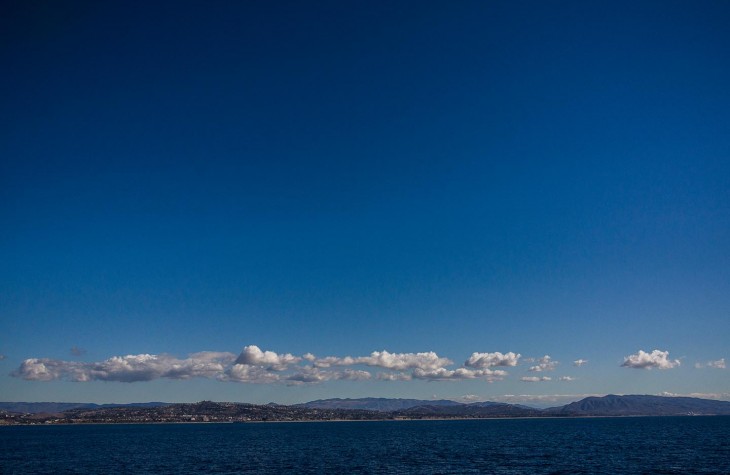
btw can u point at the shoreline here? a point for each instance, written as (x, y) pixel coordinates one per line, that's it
(43, 424)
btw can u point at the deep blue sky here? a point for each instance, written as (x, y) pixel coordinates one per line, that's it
(348, 177)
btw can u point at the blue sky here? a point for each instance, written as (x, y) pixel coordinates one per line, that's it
(342, 178)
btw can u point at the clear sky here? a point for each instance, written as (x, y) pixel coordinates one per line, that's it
(403, 183)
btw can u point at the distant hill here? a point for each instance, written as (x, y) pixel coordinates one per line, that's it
(479, 409)
(354, 409)
(58, 407)
(636, 405)
(375, 404)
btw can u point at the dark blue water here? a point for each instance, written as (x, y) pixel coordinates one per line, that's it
(646, 445)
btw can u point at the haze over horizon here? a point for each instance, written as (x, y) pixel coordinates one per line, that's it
(280, 202)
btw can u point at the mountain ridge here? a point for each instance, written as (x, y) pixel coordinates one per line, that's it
(380, 404)
(59, 407)
(385, 408)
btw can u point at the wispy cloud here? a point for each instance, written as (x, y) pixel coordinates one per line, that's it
(316, 375)
(535, 379)
(580, 362)
(656, 359)
(545, 363)
(383, 376)
(443, 374)
(717, 364)
(76, 351)
(469, 398)
(566, 378)
(717, 396)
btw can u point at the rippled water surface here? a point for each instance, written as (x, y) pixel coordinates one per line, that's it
(646, 445)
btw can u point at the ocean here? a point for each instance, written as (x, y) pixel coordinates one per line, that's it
(637, 445)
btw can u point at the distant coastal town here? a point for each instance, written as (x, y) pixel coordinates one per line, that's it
(364, 409)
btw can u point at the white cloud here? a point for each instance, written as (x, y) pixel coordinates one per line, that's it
(329, 361)
(566, 378)
(384, 359)
(252, 355)
(544, 364)
(426, 365)
(252, 365)
(488, 360)
(2, 357)
(45, 369)
(130, 368)
(580, 362)
(353, 375)
(401, 361)
(656, 359)
(717, 396)
(535, 379)
(443, 374)
(308, 375)
(469, 398)
(394, 376)
(316, 375)
(244, 373)
(717, 364)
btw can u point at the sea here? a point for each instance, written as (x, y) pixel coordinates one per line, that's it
(632, 445)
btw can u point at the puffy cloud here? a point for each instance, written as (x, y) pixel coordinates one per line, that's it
(579, 362)
(46, 369)
(656, 359)
(426, 365)
(133, 368)
(717, 364)
(443, 374)
(566, 378)
(333, 361)
(544, 364)
(130, 368)
(401, 361)
(253, 365)
(535, 379)
(252, 355)
(385, 359)
(308, 375)
(244, 373)
(488, 360)
(316, 375)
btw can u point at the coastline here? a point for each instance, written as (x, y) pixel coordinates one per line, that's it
(422, 419)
